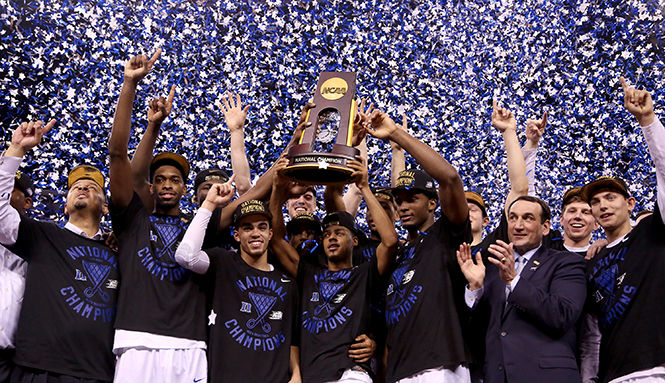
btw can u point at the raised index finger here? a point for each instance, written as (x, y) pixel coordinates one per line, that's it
(155, 55)
(171, 95)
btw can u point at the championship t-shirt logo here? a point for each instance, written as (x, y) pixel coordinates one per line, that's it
(165, 235)
(401, 294)
(93, 282)
(257, 325)
(327, 313)
(613, 293)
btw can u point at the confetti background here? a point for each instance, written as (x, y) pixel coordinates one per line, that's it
(441, 62)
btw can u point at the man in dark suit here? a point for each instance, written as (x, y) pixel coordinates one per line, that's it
(533, 298)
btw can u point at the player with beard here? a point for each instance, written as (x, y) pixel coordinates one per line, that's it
(12, 279)
(65, 328)
(626, 285)
(336, 299)
(422, 298)
(161, 314)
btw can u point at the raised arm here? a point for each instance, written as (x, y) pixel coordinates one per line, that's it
(387, 249)
(534, 131)
(640, 105)
(504, 121)
(25, 137)
(261, 190)
(397, 161)
(300, 128)
(158, 110)
(189, 253)
(451, 189)
(286, 254)
(353, 197)
(120, 170)
(235, 116)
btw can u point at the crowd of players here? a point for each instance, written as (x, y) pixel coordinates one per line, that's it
(235, 294)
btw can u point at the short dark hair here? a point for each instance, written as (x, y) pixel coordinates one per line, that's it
(545, 212)
(577, 198)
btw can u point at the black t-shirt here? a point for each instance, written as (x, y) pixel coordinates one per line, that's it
(556, 243)
(252, 321)
(626, 290)
(157, 295)
(424, 299)
(335, 309)
(66, 320)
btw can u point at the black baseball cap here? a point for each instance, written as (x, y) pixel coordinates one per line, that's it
(251, 207)
(341, 218)
(384, 193)
(210, 174)
(605, 182)
(173, 159)
(416, 180)
(307, 220)
(23, 182)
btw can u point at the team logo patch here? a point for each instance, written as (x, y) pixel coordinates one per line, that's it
(329, 311)
(258, 323)
(263, 304)
(165, 236)
(327, 291)
(94, 283)
(97, 274)
(168, 234)
(613, 292)
(401, 294)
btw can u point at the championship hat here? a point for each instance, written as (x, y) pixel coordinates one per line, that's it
(173, 159)
(477, 199)
(384, 193)
(570, 194)
(208, 175)
(23, 182)
(300, 220)
(85, 172)
(251, 207)
(416, 180)
(604, 182)
(341, 218)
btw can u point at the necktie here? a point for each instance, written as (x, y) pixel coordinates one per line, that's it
(519, 264)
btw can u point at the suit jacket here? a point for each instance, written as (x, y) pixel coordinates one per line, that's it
(532, 338)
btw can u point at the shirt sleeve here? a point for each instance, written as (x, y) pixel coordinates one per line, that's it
(121, 219)
(530, 156)
(471, 297)
(189, 253)
(589, 348)
(654, 135)
(9, 217)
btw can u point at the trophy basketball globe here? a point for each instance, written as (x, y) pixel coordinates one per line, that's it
(316, 159)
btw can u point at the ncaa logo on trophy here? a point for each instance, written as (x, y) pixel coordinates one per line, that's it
(316, 159)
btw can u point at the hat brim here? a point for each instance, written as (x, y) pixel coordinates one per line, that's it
(296, 223)
(591, 189)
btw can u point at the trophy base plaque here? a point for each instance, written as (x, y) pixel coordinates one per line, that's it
(320, 168)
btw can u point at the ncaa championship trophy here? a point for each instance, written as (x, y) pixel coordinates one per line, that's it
(335, 92)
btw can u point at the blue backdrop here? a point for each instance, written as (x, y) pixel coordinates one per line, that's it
(441, 62)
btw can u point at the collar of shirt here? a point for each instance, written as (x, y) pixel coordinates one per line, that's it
(576, 249)
(73, 228)
(527, 256)
(618, 240)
